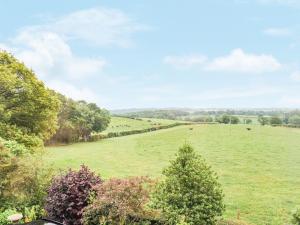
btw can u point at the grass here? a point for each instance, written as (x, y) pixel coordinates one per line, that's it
(118, 124)
(259, 169)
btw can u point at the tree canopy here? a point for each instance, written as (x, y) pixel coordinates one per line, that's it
(24, 100)
(78, 120)
(190, 192)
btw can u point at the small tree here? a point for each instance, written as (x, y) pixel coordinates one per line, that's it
(263, 120)
(275, 120)
(248, 121)
(234, 120)
(190, 192)
(69, 194)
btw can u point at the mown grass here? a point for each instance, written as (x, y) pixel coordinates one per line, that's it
(259, 169)
(119, 124)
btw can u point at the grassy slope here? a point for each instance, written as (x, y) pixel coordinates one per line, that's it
(259, 169)
(118, 124)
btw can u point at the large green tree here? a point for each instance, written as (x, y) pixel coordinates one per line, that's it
(24, 100)
(78, 119)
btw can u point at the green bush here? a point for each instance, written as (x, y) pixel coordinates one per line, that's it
(11, 132)
(24, 182)
(33, 213)
(296, 216)
(14, 147)
(5, 214)
(190, 192)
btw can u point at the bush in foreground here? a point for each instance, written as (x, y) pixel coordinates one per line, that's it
(69, 194)
(121, 201)
(190, 192)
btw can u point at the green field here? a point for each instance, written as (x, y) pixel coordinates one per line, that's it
(118, 124)
(259, 169)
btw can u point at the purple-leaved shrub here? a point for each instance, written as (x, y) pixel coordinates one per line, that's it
(69, 194)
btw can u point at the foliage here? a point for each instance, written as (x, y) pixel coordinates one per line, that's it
(228, 119)
(294, 119)
(69, 194)
(234, 120)
(201, 119)
(161, 114)
(24, 100)
(24, 181)
(12, 132)
(14, 147)
(121, 201)
(296, 216)
(263, 120)
(130, 132)
(33, 213)
(5, 214)
(78, 119)
(248, 121)
(190, 190)
(275, 120)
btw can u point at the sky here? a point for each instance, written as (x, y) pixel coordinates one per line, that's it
(171, 53)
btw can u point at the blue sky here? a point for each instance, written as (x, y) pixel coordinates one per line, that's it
(137, 53)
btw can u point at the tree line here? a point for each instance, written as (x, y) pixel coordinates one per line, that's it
(31, 113)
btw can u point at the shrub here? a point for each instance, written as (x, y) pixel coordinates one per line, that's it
(29, 183)
(33, 213)
(248, 121)
(190, 192)
(11, 132)
(234, 120)
(69, 194)
(5, 214)
(275, 120)
(121, 201)
(263, 120)
(296, 216)
(14, 147)
(295, 120)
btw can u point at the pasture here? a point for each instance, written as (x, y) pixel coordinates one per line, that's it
(118, 124)
(259, 169)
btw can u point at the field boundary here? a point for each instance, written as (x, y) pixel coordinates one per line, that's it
(97, 137)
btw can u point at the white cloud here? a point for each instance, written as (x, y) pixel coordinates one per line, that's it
(296, 76)
(239, 61)
(96, 26)
(278, 32)
(184, 61)
(46, 48)
(77, 93)
(50, 56)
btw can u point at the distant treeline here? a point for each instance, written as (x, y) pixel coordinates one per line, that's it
(264, 117)
(161, 114)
